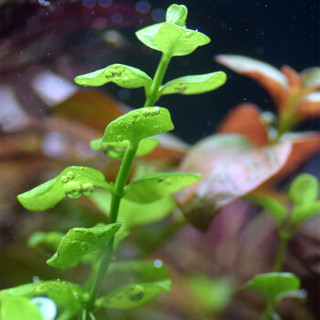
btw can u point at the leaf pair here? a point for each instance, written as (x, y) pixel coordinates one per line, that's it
(303, 193)
(275, 287)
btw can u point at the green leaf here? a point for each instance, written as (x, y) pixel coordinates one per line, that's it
(116, 150)
(275, 286)
(303, 189)
(177, 14)
(157, 185)
(147, 35)
(141, 270)
(71, 182)
(17, 308)
(79, 242)
(277, 209)
(194, 84)
(178, 41)
(132, 214)
(215, 294)
(138, 124)
(303, 212)
(49, 241)
(172, 39)
(133, 295)
(68, 297)
(120, 74)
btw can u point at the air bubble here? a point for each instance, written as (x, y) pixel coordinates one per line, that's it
(155, 111)
(70, 175)
(87, 188)
(136, 293)
(188, 34)
(73, 190)
(64, 179)
(146, 112)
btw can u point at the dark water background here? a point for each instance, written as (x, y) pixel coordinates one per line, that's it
(277, 32)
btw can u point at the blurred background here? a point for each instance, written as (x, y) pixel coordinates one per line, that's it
(47, 122)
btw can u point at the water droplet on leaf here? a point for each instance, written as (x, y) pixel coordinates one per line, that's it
(136, 293)
(70, 175)
(73, 190)
(87, 188)
(64, 179)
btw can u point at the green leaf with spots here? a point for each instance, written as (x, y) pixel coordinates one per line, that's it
(304, 211)
(116, 150)
(276, 286)
(120, 74)
(303, 189)
(133, 295)
(132, 214)
(79, 242)
(154, 186)
(277, 209)
(177, 14)
(71, 182)
(138, 124)
(194, 84)
(172, 39)
(17, 308)
(49, 241)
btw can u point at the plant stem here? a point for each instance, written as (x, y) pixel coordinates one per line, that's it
(106, 257)
(152, 95)
(284, 239)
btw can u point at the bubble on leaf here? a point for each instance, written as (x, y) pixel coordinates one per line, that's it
(87, 188)
(158, 263)
(136, 293)
(146, 112)
(70, 175)
(155, 111)
(46, 306)
(64, 179)
(73, 190)
(188, 34)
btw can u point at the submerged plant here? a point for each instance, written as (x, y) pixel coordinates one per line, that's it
(124, 138)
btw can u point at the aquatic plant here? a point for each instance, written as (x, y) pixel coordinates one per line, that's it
(231, 165)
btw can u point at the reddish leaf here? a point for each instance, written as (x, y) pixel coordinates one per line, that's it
(268, 77)
(245, 119)
(231, 168)
(90, 107)
(293, 78)
(309, 106)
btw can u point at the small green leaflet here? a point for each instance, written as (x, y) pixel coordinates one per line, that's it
(49, 241)
(303, 212)
(72, 182)
(154, 186)
(303, 189)
(194, 84)
(133, 295)
(120, 74)
(276, 286)
(138, 124)
(116, 150)
(79, 242)
(172, 39)
(277, 209)
(177, 14)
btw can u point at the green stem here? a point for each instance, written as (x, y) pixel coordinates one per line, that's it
(152, 95)
(106, 257)
(284, 239)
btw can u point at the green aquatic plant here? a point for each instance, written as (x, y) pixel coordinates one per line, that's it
(151, 195)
